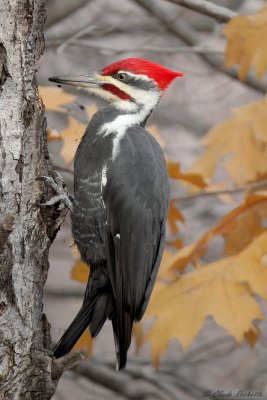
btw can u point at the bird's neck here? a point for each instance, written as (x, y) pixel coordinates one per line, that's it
(139, 111)
(124, 120)
(122, 115)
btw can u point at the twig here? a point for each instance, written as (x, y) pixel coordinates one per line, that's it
(250, 187)
(210, 348)
(177, 380)
(81, 32)
(221, 14)
(117, 382)
(140, 373)
(89, 28)
(64, 363)
(57, 13)
(184, 384)
(63, 293)
(150, 49)
(184, 31)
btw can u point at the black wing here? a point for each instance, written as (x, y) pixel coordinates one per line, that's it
(136, 198)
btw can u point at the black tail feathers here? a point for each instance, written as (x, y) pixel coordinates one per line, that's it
(74, 331)
(92, 314)
(122, 328)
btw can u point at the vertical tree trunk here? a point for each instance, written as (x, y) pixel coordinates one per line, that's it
(26, 231)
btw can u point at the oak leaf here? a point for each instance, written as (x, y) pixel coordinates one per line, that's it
(246, 44)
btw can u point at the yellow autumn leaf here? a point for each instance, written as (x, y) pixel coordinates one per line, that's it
(252, 266)
(220, 187)
(225, 227)
(54, 98)
(174, 216)
(186, 255)
(91, 110)
(80, 272)
(52, 134)
(85, 344)
(71, 136)
(251, 336)
(165, 272)
(222, 290)
(246, 45)
(239, 144)
(138, 334)
(193, 178)
(248, 224)
(74, 249)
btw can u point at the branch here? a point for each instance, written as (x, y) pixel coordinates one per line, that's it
(91, 29)
(155, 379)
(171, 379)
(249, 187)
(69, 293)
(77, 35)
(117, 382)
(221, 14)
(150, 49)
(57, 13)
(64, 363)
(184, 31)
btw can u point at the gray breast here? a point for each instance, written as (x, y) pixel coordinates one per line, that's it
(88, 214)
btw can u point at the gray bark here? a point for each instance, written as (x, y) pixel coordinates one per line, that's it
(26, 231)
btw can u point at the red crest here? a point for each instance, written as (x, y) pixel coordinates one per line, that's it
(161, 75)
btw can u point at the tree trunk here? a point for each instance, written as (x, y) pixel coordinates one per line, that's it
(26, 231)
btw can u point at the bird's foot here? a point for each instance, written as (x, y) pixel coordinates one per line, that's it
(56, 182)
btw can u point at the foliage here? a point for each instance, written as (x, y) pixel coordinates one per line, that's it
(187, 290)
(246, 45)
(239, 143)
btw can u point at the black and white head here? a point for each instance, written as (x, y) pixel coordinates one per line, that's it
(133, 84)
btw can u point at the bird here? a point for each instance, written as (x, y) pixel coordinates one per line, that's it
(121, 200)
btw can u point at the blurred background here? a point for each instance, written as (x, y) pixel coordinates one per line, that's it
(83, 36)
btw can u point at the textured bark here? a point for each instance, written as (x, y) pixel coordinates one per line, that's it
(26, 231)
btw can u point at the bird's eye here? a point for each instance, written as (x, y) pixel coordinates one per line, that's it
(122, 77)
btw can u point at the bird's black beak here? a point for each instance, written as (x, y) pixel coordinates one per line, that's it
(83, 81)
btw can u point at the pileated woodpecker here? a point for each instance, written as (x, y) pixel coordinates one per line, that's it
(121, 198)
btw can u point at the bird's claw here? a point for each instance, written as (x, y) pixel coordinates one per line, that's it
(56, 182)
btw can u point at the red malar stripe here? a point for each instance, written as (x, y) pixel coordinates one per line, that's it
(116, 91)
